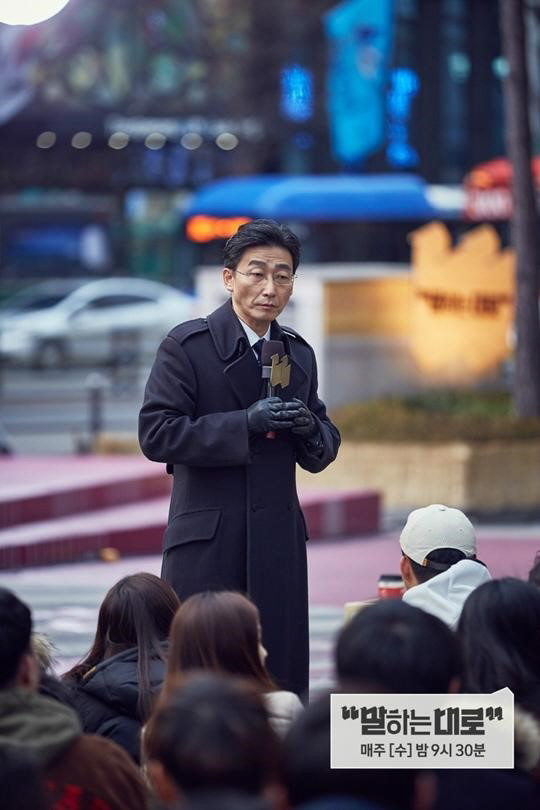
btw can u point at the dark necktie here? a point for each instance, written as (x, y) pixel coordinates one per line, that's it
(257, 348)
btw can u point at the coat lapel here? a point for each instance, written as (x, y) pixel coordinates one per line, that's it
(242, 371)
(244, 377)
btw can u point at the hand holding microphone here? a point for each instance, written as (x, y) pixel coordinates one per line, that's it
(304, 422)
(272, 413)
(270, 352)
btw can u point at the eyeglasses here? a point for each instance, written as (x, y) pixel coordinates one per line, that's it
(256, 279)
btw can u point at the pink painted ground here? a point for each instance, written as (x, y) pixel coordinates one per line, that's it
(340, 570)
(348, 570)
(27, 475)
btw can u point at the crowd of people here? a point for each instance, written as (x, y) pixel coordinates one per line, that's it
(173, 706)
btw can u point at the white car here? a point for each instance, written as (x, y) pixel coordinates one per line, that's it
(108, 320)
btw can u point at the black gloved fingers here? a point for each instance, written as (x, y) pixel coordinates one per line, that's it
(280, 424)
(288, 406)
(289, 416)
(304, 424)
(293, 403)
(285, 410)
(272, 413)
(303, 410)
(259, 415)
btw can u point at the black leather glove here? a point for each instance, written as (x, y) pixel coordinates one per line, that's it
(304, 423)
(271, 414)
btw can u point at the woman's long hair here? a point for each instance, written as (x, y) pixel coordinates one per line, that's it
(136, 612)
(217, 631)
(498, 629)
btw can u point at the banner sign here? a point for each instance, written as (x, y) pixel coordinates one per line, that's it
(422, 731)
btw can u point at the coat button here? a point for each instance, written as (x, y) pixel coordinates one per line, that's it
(255, 507)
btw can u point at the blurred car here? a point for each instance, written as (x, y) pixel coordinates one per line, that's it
(108, 320)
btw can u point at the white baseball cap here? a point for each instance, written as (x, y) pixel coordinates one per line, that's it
(437, 526)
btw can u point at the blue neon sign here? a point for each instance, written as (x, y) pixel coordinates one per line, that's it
(404, 86)
(297, 92)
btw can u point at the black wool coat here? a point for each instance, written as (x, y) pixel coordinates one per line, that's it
(235, 522)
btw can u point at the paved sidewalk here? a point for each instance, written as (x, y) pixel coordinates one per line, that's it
(348, 570)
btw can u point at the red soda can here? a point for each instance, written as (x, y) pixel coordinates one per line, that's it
(391, 586)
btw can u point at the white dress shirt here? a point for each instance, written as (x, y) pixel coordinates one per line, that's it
(252, 336)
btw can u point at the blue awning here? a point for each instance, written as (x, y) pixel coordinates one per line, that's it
(322, 198)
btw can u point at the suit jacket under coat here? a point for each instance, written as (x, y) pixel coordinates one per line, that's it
(235, 522)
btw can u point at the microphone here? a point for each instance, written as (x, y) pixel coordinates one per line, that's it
(270, 348)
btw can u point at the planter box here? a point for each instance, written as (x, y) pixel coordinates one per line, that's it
(483, 477)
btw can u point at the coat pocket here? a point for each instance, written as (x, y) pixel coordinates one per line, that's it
(190, 527)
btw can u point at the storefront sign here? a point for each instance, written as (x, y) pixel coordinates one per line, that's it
(462, 303)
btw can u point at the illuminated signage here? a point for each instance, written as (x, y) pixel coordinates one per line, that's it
(488, 189)
(204, 229)
(478, 303)
(404, 86)
(488, 203)
(297, 93)
(462, 303)
(359, 37)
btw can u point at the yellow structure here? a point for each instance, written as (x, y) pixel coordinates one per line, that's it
(462, 303)
(369, 307)
(453, 312)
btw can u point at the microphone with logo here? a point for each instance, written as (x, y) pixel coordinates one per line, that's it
(275, 370)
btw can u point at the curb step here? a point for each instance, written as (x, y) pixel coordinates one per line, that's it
(137, 528)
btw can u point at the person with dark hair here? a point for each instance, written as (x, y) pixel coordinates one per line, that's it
(16, 657)
(497, 629)
(114, 686)
(261, 233)
(78, 770)
(438, 564)
(394, 647)
(312, 783)
(235, 522)
(210, 734)
(534, 574)
(21, 782)
(220, 631)
(498, 626)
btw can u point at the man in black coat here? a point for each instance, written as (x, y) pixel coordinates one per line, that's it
(235, 522)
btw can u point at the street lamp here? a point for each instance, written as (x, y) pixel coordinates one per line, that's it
(13, 12)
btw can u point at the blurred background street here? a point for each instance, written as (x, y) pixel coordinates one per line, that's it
(53, 413)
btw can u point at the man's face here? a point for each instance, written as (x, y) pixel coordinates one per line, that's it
(257, 297)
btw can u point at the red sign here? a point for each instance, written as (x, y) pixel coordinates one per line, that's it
(488, 189)
(488, 203)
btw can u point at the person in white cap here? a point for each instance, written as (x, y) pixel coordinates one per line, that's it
(439, 565)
